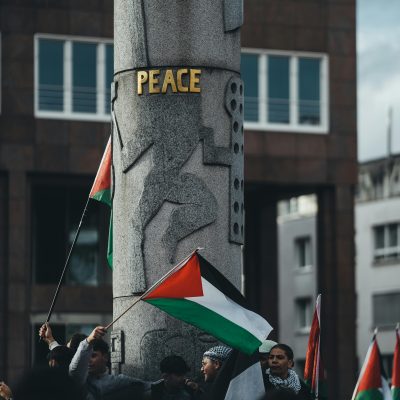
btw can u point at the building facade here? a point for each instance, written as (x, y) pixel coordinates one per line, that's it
(299, 68)
(298, 65)
(378, 255)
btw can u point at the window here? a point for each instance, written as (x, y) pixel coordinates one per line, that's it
(303, 252)
(386, 309)
(73, 78)
(304, 313)
(285, 91)
(387, 242)
(56, 211)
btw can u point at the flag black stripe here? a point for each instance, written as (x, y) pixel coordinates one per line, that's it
(218, 280)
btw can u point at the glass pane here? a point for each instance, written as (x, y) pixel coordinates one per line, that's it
(386, 309)
(109, 75)
(278, 89)
(84, 77)
(393, 239)
(85, 257)
(379, 237)
(48, 235)
(309, 91)
(249, 69)
(51, 75)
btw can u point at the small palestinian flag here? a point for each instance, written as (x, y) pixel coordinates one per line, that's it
(372, 383)
(197, 293)
(396, 368)
(101, 191)
(314, 373)
(239, 378)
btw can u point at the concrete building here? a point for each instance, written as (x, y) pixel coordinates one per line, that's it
(297, 258)
(378, 255)
(298, 65)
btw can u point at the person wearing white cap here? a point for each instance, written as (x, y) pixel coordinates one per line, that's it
(263, 352)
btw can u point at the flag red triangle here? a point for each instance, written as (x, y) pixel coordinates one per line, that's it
(103, 177)
(371, 378)
(396, 362)
(185, 282)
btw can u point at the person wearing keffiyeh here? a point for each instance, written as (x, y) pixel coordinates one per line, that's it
(212, 362)
(280, 375)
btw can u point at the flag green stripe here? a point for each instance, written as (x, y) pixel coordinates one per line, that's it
(110, 243)
(103, 196)
(209, 321)
(370, 394)
(396, 393)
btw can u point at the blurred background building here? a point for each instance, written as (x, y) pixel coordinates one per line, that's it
(299, 68)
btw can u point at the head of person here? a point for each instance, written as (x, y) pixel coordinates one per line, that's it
(280, 360)
(173, 370)
(60, 357)
(264, 350)
(212, 361)
(99, 360)
(76, 338)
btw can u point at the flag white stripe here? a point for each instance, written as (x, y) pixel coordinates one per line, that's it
(216, 301)
(248, 384)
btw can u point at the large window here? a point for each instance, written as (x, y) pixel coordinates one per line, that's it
(285, 91)
(386, 309)
(73, 78)
(387, 242)
(56, 211)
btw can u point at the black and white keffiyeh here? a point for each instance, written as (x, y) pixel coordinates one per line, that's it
(292, 382)
(218, 353)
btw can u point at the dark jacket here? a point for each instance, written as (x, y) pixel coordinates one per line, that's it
(157, 391)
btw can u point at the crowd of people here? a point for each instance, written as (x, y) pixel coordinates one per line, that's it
(80, 370)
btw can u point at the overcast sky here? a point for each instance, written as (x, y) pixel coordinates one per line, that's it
(378, 48)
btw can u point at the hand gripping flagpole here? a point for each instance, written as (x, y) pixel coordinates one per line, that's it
(67, 262)
(155, 285)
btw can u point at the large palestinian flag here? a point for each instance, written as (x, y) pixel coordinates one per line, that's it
(314, 373)
(101, 191)
(197, 293)
(239, 378)
(372, 383)
(396, 368)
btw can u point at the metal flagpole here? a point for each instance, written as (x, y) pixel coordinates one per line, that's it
(67, 262)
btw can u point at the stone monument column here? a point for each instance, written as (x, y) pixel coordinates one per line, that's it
(177, 140)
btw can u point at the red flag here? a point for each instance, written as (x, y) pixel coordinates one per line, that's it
(372, 383)
(101, 189)
(396, 367)
(313, 369)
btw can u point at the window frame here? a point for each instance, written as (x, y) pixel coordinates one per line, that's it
(293, 126)
(374, 295)
(67, 114)
(308, 300)
(297, 241)
(387, 250)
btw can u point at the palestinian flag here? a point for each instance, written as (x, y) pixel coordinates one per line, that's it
(239, 378)
(197, 293)
(314, 373)
(372, 383)
(396, 368)
(101, 191)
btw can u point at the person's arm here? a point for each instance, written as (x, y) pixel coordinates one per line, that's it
(46, 334)
(5, 391)
(79, 366)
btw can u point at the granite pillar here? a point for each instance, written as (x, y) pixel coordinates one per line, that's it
(177, 141)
